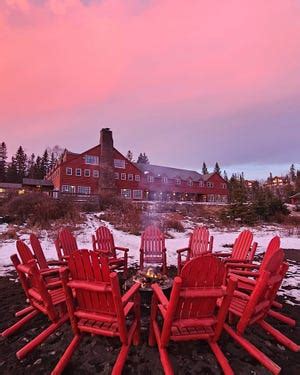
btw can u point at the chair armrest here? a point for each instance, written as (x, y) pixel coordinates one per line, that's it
(244, 273)
(103, 252)
(130, 293)
(220, 254)
(125, 249)
(244, 279)
(48, 272)
(179, 251)
(56, 263)
(242, 265)
(160, 295)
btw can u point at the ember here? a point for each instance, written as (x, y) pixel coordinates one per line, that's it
(150, 276)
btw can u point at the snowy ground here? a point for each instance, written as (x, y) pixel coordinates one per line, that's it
(221, 237)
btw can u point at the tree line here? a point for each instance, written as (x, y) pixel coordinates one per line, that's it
(22, 165)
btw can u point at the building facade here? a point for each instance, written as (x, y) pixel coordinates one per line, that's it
(103, 169)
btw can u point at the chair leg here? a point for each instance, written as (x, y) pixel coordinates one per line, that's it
(280, 337)
(121, 359)
(283, 318)
(9, 331)
(277, 304)
(24, 311)
(41, 337)
(253, 350)
(164, 358)
(223, 362)
(66, 356)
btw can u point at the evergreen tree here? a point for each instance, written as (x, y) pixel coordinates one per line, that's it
(12, 173)
(130, 156)
(3, 157)
(31, 166)
(21, 163)
(52, 161)
(143, 159)
(204, 168)
(217, 168)
(225, 176)
(45, 163)
(38, 168)
(292, 173)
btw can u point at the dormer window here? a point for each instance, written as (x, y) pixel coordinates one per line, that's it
(91, 159)
(150, 178)
(165, 180)
(119, 163)
(190, 182)
(178, 181)
(201, 183)
(210, 184)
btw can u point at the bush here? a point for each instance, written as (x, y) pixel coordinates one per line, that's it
(40, 209)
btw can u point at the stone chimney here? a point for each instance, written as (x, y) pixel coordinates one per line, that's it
(106, 179)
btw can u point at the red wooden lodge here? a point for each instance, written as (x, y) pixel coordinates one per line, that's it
(103, 168)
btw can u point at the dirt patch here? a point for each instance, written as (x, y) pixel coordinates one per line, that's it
(98, 354)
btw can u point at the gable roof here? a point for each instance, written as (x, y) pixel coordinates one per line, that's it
(172, 173)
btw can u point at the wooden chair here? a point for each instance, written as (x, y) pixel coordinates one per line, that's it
(253, 271)
(98, 307)
(243, 249)
(190, 313)
(103, 241)
(50, 275)
(65, 244)
(153, 249)
(199, 243)
(253, 309)
(50, 303)
(43, 263)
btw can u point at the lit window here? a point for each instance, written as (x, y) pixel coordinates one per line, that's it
(84, 190)
(78, 172)
(95, 173)
(137, 194)
(119, 163)
(150, 178)
(69, 171)
(123, 176)
(91, 159)
(126, 193)
(87, 173)
(165, 180)
(137, 177)
(68, 189)
(130, 177)
(116, 175)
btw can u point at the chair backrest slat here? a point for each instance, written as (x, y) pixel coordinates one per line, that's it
(67, 242)
(153, 244)
(105, 240)
(242, 245)
(199, 242)
(38, 251)
(24, 252)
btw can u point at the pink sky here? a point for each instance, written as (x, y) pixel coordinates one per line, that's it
(185, 81)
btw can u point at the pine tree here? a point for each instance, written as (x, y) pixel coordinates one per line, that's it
(225, 176)
(292, 173)
(130, 156)
(204, 168)
(21, 163)
(45, 163)
(3, 157)
(217, 168)
(31, 166)
(12, 173)
(38, 168)
(143, 159)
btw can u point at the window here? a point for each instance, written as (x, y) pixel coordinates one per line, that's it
(87, 173)
(95, 173)
(178, 181)
(78, 172)
(165, 180)
(130, 177)
(69, 171)
(190, 182)
(84, 190)
(91, 159)
(150, 178)
(126, 193)
(210, 184)
(68, 189)
(224, 186)
(117, 175)
(201, 184)
(123, 176)
(137, 177)
(137, 194)
(119, 163)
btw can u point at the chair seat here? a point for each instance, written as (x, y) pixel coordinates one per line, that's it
(98, 327)
(191, 331)
(57, 295)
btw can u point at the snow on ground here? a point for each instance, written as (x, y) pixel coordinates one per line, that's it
(221, 237)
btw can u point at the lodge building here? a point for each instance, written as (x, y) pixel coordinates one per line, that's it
(103, 169)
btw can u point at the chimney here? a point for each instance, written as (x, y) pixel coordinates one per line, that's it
(107, 184)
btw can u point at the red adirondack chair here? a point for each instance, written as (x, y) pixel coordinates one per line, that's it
(98, 307)
(44, 264)
(200, 243)
(153, 249)
(103, 241)
(253, 309)
(243, 249)
(253, 271)
(65, 244)
(50, 303)
(190, 313)
(50, 275)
